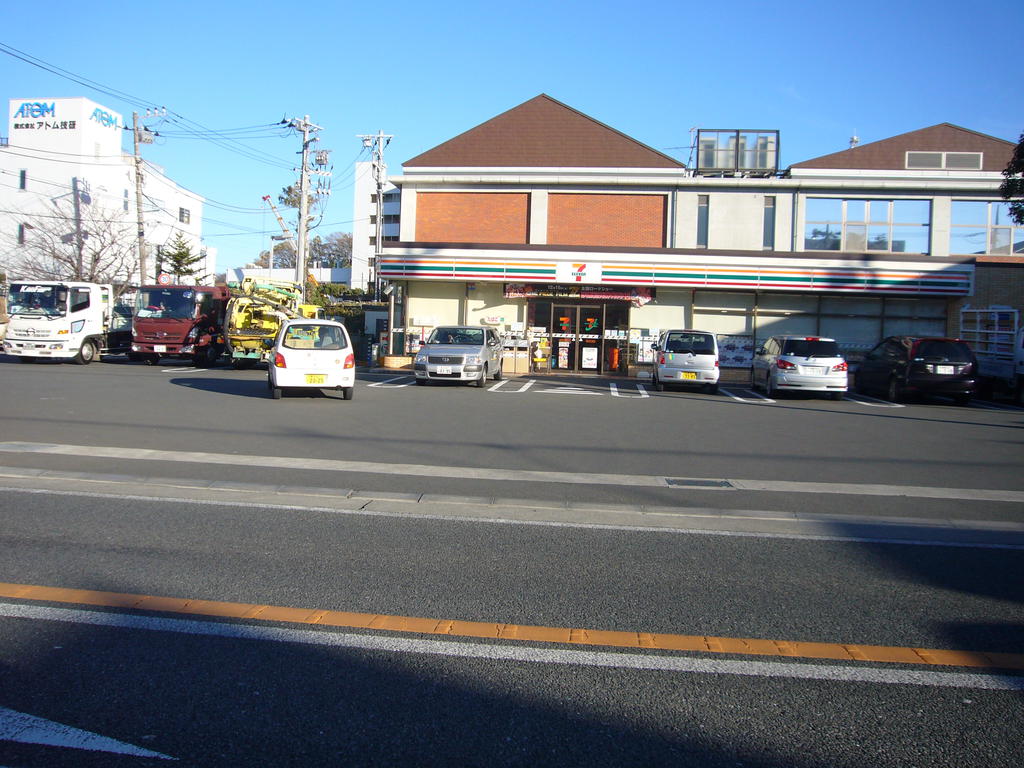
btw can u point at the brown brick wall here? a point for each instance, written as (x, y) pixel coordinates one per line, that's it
(610, 220)
(996, 283)
(472, 217)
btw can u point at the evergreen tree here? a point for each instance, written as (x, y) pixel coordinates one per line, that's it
(179, 260)
(1012, 188)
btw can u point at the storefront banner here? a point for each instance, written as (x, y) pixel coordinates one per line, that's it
(637, 296)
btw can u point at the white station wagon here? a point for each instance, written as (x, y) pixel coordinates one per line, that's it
(312, 353)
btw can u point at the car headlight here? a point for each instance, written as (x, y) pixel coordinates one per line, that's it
(421, 357)
(473, 360)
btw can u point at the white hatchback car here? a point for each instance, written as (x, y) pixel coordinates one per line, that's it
(686, 357)
(312, 353)
(804, 363)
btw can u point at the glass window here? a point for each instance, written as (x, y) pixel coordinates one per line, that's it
(967, 212)
(856, 210)
(810, 348)
(979, 227)
(878, 237)
(702, 221)
(911, 212)
(768, 235)
(892, 226)
(824, 209)
(879, 211)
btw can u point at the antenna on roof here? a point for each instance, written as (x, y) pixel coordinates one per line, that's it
(854, 140)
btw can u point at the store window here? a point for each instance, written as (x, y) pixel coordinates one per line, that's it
(891, 226)
(702, 221)
(978, 226)
(768, 237)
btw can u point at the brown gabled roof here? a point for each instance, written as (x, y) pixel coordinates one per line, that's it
(543, 133)
(890, 154)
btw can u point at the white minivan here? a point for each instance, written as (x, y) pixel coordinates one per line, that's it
(310, 353)
(686, 357)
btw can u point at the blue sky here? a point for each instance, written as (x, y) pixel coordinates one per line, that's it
(819, 72)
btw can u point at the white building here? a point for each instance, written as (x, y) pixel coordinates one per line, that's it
(364, 223)
(56, 148)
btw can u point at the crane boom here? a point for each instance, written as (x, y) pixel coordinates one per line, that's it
(284, 227)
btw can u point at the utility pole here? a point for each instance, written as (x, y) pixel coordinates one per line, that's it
(79, 240)
(138, 199)
(306, 128)
(377, 143)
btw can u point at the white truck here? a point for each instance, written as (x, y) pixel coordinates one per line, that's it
(997, 339)
(65, 320)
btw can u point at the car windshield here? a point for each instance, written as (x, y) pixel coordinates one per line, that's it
(943, 351)
(314, 336)
(471, 336)
(45, 300)
(697, 343)
(810, 348)
(164, 303)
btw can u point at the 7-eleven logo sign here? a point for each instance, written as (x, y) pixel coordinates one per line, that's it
(580, 272)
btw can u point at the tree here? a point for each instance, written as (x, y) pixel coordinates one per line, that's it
(179, 260)
(1013, 183)
(334, 252)
(98, 247)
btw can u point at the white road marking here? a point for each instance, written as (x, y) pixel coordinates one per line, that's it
(511, 475)
(639, 387)
(761, 399)
(184, 369)
(28, 729)
(569, 391)
(512, 652)
(522, 388)
(386, 384)
(872, 401)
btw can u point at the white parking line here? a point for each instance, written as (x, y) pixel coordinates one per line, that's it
(522, 388)
(761, 399)
(569, 391)
(874, 402)
(386, 384)
(639, 388)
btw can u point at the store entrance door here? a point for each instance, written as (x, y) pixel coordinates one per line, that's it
(576, 337)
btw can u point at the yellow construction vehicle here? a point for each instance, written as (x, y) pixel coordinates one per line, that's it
(255, 313)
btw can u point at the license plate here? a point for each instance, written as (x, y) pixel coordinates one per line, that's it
(315, 378)
(687, 375)
(815, 371)
(443, 370)
(946, 370)
(159, 348)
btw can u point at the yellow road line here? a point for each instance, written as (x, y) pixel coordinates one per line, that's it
(456, 628)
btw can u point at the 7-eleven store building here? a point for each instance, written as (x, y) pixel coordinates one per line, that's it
(588, 246)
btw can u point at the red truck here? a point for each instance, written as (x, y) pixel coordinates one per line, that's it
(180, 321)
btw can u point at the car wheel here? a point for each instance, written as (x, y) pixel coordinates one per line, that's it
(86, 354)
(858, 385)
(152, 359)
(498, 373)
(837, 395)
(347, 393)
(711, 389)
(481, 379)
(769, 387)
(275, 392)
(421, 382)
(894, 391)
(658, 384)
(26, 359)
(962, 399)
